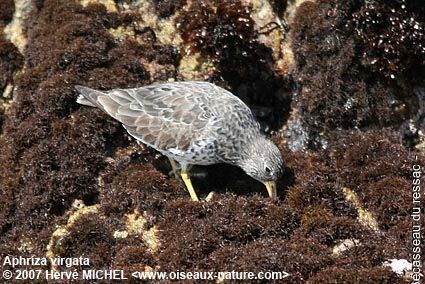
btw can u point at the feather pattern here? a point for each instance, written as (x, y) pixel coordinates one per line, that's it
(189, 121)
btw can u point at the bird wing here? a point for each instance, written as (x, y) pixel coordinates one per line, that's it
(163, 116)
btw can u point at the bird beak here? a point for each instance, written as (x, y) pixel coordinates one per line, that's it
(271, 189)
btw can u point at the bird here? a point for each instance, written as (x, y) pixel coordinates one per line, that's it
(192, 123)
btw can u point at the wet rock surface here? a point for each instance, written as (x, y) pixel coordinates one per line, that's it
(347, 116)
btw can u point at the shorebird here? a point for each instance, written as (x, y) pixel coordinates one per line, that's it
(192, 123)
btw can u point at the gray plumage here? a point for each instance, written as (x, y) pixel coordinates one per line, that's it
(192, 123)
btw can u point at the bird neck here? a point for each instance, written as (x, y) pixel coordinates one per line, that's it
(250, 149)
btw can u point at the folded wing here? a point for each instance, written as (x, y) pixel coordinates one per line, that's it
(162, 116)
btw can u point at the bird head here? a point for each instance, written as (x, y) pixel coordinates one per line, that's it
(263, 162)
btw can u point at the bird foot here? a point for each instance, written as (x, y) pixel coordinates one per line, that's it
(209, 196)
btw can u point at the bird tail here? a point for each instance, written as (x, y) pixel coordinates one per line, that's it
(87, 97)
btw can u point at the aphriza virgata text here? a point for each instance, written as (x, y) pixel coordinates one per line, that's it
(193, 123)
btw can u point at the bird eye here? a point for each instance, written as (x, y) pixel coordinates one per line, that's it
(268, 170)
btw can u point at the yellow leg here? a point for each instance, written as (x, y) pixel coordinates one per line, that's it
(174, 168)
(188, 183)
